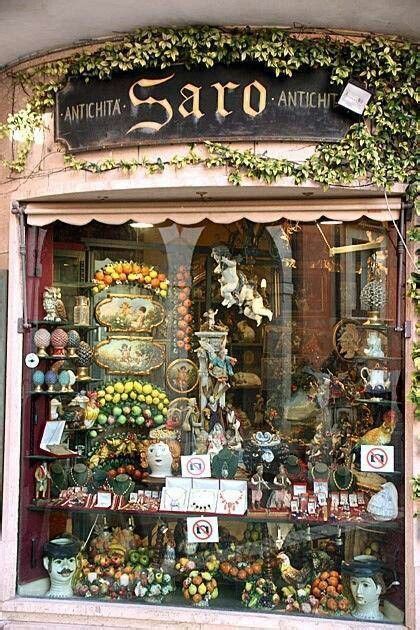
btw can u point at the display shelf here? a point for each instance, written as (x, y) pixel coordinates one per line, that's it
(52, 458)
(262, 517)
(55, 393)
(65, 325)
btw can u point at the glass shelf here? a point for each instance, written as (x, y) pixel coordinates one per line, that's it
(262, 517)
(52, 458)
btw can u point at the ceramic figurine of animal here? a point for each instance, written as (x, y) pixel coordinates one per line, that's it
(381, 435)
(53, 305)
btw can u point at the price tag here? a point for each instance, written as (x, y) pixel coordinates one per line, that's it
(376, 458)
(202, 529)
(196, 466)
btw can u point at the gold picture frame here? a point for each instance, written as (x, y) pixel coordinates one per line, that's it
(124, 312)
(129, 354)
(182, 376)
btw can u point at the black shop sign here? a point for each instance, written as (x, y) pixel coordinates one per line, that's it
(178, 105)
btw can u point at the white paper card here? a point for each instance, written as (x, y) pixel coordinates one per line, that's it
(51, 438)
(178, 482)
(103, 500)
(202, 529)
(202, 500)
(206, 484)
(376, 458)
(195, 466)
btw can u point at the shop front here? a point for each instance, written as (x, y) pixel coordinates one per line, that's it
(214, 428)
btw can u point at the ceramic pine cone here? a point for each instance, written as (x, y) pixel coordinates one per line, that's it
(85, 354)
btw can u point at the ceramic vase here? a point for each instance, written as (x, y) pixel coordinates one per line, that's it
(42, 340)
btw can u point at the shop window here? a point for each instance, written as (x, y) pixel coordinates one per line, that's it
(216, 419)
(3, 333)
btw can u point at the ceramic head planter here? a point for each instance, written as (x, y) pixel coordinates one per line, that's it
(60, 560)
(160, 460)
(366, 585)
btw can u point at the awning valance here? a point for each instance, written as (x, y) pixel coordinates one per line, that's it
(116, 213)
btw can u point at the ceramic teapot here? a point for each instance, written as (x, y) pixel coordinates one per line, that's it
(375, 379)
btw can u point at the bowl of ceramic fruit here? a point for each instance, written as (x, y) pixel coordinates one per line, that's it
(328, 590)
(200, 588)
(153, 585)
(260, 593)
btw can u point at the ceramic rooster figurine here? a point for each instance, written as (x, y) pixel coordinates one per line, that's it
(292, 576)
(381, 435)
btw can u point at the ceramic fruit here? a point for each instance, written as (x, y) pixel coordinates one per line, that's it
(72, 343)
(59, 340)
(131, 273)
(38, 379)
(51, 379)
(42, 339)
(134, 402)
(153, 584)
(328, 590)
(260, 593)
(181, 310)
(200, 588)
(239, 569)
(300, 600)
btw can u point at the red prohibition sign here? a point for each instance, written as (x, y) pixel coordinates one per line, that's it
(202, 529)
(377, 458)
(195, 466)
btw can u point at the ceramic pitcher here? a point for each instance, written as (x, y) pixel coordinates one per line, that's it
(375, 378)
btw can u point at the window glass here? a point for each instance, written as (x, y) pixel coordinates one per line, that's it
(216, 418)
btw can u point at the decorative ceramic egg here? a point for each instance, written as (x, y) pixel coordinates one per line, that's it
(38, 379)
(72, 342)
(51, 379)
(42, 340)
(59, 340)
(64, 380)
(72, 377)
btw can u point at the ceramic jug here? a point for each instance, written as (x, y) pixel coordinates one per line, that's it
(376, 378)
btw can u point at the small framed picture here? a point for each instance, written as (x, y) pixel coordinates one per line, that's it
(303, 502)
(335, 500)
(353, 499)
(360, 498)
(298, 489)
(344, 498)
(321, 487)
(294, 506)
(322, 499)
(312, 505)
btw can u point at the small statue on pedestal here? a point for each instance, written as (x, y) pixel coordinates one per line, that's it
(258, 483)
(42, 477)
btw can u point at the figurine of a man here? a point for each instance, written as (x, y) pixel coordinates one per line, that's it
(42, 477)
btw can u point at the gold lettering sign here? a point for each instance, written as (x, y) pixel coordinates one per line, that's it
(221, 110)
(149, 124)
(262, 101)
(195, 96)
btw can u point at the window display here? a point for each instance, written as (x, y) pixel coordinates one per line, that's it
(213, 416)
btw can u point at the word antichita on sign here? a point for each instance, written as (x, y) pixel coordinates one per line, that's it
(179, 105)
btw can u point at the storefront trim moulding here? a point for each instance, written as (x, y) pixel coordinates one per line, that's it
(186, 213)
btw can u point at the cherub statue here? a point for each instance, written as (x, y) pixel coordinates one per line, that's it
(253, 304)
(42, 477)
(229, 279)
(53, 305)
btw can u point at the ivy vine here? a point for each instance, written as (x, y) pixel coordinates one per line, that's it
(381, 152)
